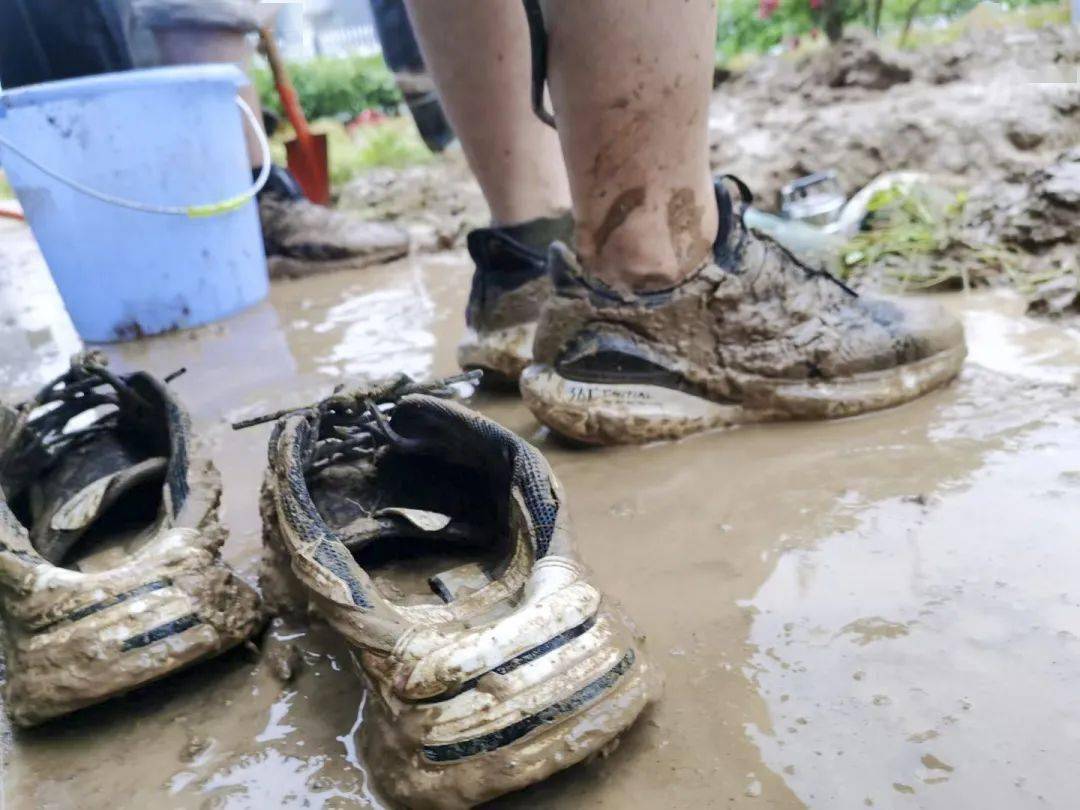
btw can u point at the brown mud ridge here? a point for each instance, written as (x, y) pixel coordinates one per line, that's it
(991, 107)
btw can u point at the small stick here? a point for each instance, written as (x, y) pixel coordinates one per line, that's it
(414, 388)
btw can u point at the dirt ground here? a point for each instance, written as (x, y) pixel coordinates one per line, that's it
(881, 611)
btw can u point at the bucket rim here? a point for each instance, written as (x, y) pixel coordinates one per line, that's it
(64, 89)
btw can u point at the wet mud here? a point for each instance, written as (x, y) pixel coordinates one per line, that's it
(880, 611)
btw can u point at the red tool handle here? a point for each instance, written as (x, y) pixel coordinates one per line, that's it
(290, 102)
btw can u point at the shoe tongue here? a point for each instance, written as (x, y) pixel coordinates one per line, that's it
(80, 488)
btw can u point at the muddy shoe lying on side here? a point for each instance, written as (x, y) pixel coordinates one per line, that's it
(437, 543)
(110, 567)
(509, 286)
(302, 238)
(754, 335)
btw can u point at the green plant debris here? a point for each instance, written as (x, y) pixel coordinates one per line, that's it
(918, 238)
(747, 27)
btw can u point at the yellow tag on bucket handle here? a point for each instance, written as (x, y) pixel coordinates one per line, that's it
(213, 209)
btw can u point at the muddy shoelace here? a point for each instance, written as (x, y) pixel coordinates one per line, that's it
(87, 385)
(354, 424)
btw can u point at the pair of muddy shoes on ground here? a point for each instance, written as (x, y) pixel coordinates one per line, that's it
(433, 540)
(753, 335)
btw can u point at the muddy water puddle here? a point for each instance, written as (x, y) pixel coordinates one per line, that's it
(874, 612)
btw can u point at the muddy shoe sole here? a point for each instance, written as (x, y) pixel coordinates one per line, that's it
(286, 267)
(502, 354)
(615, 413)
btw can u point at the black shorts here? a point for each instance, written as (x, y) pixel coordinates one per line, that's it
(45, 40)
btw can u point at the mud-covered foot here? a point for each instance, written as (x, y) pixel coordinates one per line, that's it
(302, 238)
(438, 545)
(509, 286)
(110, 544)
(754, 335)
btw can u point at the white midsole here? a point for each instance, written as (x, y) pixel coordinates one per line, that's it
(620, 413)
(507, 351)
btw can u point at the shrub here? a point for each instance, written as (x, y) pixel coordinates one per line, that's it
(756, 26)
(334, 88)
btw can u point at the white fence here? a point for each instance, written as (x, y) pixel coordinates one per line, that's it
(358, 40)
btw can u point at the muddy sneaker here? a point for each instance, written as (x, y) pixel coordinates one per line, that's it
(755, 335)
(110, 567)
(509, 286)
(302, 238)
(437, 543)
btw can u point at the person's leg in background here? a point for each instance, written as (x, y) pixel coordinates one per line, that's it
(401, 52)
(670, 316)
(478, 53)
(301, 238)
(187, 44)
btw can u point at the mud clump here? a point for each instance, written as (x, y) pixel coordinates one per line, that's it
(437, 203)
(284, 662)
(1061, 296)
(857, 62)
(990, 106)
(1047, 211)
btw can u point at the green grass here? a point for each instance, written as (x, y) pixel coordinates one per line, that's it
(981, 18)
(741, 33)
(392, 143)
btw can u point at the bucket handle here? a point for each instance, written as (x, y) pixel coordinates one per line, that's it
(192, 211)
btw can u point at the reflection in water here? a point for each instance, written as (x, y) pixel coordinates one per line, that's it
(1025, 347)
(928, 657)
(348, 740)
(36, 334)
(272, 779)
(381, 332)
(275, 729)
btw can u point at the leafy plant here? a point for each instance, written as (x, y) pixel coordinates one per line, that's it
(334, 88)
(916, 238)
(759, 25)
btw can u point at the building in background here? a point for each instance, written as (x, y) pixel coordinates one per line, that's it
(310, 28)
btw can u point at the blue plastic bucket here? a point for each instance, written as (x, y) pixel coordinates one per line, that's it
(162, 139)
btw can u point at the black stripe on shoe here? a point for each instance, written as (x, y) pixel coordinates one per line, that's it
(451, 752)
(173, 628)
(97, 607)
(519, 660)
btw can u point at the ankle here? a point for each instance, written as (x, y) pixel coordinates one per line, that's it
(641, 247)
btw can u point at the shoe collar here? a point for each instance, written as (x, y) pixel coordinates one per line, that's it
(732, 238)
(38, 437)
(731, 234)
(523, 245)
(536, 521)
